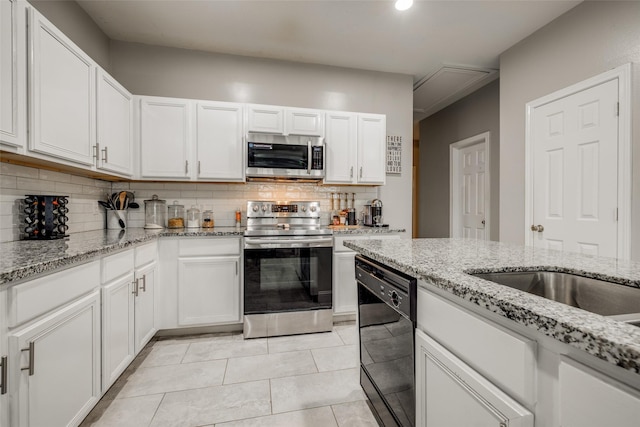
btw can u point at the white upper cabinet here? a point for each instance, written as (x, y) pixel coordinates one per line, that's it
(165, 138)
(62, 95)
(115, 125)
(219, 141)
(265, 118)
(302, 121)
(341, 148)
(372, 130)
(13, 68)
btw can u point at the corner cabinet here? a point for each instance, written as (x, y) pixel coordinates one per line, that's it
(165, 138)
(450, 393)
(220, 141)
(62, 95)
(13, 63)
(114, 146)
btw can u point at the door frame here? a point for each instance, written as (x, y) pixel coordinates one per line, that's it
(454, 184)
(623, 75)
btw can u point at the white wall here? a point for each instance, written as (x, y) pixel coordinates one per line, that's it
(159, 71)
(588, 40)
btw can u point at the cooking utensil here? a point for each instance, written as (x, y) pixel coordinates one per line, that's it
(134, 205)
(122, 197)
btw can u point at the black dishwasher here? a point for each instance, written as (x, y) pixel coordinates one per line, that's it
(386, 325)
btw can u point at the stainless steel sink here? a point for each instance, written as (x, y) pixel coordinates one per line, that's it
(596, 296)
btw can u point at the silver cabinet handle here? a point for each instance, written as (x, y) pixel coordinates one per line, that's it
(360, 171)
(3, 375)
(186, 167)
(236, 268)
(198, 167)
(104, 157)
(96, 150)
(135, 287)
(32, 357)
(351, 173)
(143, 288)
(538, 228)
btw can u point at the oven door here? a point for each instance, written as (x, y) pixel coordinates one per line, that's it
(287, 274)
(386, 359)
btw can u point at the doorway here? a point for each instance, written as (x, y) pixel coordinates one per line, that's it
(578, 167)
(470, 187)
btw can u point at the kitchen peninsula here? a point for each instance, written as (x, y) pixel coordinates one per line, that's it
(541, 362)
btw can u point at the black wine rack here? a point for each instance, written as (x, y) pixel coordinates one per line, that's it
(45, 217)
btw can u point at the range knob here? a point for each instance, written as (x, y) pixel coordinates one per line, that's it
(304, 209)
(313, 208)
(255, 208)
(395, 299)
(264, 208)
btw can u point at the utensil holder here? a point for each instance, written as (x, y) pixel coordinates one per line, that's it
(114, 217)
(45, 217)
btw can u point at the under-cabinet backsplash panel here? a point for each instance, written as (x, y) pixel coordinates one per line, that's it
(224, 199)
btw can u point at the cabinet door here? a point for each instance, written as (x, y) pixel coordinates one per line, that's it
(265, 118)
(208, 290)
(372, 129)
(13, 69)
(345, 292)
(341, 143)
(62, 95)
(450, 393)
(165, 138)
(56, 363)
(145, 326)
(300, 121)
(589, 399)
(115, 125)
(219, 141)
(117, 329)
(4, 363)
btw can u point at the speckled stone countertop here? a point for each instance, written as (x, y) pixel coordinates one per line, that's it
(445, 262)
(23, 259)
(339, 230)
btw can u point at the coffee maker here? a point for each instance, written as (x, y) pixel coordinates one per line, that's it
(373, 213)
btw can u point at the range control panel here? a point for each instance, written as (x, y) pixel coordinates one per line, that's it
(265, 209)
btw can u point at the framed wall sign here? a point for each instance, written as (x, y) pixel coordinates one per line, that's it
(394, 154)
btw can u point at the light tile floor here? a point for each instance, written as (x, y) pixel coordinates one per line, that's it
(223, 380)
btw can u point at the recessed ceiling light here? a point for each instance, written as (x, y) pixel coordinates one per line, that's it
(403, 4)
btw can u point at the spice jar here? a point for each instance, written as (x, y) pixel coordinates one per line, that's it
(207, 219)
(193, 217)
(176, 215)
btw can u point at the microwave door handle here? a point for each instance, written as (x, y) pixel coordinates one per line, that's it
(309, 161)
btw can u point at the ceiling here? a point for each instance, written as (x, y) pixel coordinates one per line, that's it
(366, 34)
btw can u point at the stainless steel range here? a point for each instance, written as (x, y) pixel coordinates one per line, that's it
(287, 270)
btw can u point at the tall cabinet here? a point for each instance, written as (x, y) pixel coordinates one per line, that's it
(62, 94)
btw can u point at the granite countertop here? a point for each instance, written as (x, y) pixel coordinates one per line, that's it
(445, 262)
(358, 229)
(25, 258)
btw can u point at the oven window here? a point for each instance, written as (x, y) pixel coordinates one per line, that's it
(287, 279)
(278, 156)
(386, 353)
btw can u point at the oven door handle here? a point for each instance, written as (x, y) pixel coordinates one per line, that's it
(250, 243)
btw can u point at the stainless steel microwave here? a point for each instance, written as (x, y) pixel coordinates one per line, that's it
(285, 157)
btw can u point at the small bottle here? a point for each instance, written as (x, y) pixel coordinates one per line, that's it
(238, 217)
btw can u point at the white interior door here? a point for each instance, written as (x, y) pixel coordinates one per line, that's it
(575, 172)
(470, 188)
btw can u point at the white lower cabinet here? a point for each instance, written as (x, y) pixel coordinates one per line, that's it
(55, 373)
(589, 399)
(208, 290)
(144, 305)
(4, 365)
(450, 393)
(345, 291)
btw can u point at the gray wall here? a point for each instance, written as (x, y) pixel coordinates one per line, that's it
(588, 40)
(74, 22)
(472, 115)
(160, 71)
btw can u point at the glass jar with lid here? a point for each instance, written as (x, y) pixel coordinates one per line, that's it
(155, 213)
(207, 219)
(193, 217)
(176, 215)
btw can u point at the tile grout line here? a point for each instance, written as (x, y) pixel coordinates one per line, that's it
(157, 408)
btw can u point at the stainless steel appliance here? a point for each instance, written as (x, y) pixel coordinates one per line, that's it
(287, 270)
(285, 157)
(386, 324)
(373, 213)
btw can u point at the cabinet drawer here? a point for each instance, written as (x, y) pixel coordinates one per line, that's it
(212, 246)
(504, 357)
(32, 299)
(117, 265)
(146, 254)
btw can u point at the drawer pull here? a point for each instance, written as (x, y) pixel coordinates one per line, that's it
(135, 287)
(143, 288)
(3, 375)
(32, 358)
